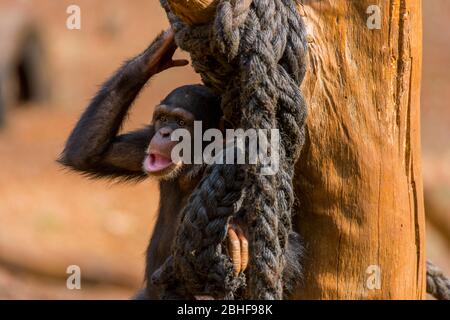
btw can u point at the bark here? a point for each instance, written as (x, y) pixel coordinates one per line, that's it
(359, 180)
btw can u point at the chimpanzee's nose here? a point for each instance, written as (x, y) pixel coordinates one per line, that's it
(165, 132)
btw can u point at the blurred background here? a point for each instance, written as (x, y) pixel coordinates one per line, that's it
(50, 218)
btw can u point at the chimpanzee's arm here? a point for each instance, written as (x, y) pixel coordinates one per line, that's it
(94, 147)
(122, 159)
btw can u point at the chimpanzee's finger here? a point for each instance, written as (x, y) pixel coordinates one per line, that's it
(244, 248)
(234, 248)
(170, 50)
(169, 37)
(180, 63)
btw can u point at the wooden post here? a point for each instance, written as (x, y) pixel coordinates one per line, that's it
(193, 11)
(359, 180)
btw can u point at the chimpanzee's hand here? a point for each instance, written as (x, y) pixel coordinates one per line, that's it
(237, 247)
(162, 52)
(238, 250)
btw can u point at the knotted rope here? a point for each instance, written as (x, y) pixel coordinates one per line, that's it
(253, 55)
(438, 285)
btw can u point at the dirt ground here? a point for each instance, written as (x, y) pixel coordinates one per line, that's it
(51, 219)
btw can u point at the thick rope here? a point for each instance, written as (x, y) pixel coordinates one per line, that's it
(253, 55)
(198, 264)
(438, 285)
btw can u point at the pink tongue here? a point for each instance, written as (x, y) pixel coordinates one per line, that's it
(156, 162)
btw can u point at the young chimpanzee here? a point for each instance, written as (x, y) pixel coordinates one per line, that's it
(95, 148)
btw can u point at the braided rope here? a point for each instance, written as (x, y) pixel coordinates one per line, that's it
(253, 55)
(438, 285)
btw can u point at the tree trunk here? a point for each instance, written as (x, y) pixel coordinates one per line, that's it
(359, 180)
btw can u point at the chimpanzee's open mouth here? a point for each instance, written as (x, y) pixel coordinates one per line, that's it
(155, 163)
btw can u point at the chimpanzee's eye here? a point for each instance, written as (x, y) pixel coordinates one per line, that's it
(162, 119)
(181, 123)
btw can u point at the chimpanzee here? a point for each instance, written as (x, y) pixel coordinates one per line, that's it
(95, 148)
